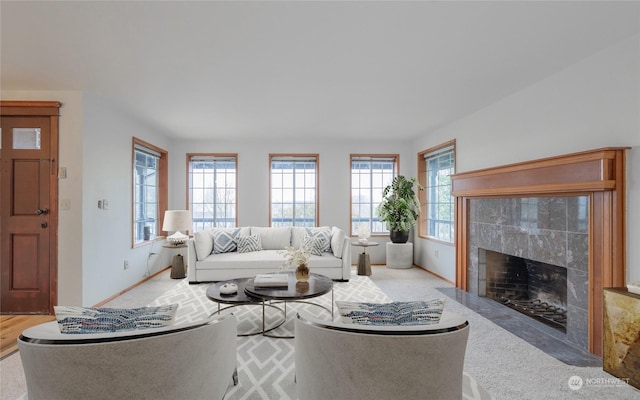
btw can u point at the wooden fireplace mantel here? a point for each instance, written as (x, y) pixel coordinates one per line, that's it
(598, 174)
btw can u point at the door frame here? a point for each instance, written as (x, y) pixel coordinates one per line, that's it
(50, 109)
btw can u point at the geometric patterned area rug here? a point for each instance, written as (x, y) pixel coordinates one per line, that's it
(266, 365)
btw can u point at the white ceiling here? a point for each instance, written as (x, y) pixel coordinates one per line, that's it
(313, 69)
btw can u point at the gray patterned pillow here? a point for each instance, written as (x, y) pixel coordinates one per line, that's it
(224, 240)
(247, 244)
(313, 244)
(82, 320)
(323, 235)
(396, 313)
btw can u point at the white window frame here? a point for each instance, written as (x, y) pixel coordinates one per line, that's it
(212, 192)
(367, 185)
(293, 192)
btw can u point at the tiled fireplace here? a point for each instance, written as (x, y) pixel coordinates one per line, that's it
(566, 213)
(533, 248)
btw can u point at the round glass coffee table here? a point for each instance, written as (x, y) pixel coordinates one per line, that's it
(240, 298)
(298, 292)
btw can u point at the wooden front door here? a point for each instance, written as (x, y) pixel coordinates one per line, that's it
(28, 211)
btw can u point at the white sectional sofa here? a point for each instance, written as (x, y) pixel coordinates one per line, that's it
(213, 255)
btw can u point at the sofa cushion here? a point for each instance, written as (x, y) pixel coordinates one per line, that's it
(273, 238)
(396, 313)
(297, 236)
(82, 320)
(267, 260)
(224, 239)
(203, 242)
(337, 241)
(323, 235)
(247, 244)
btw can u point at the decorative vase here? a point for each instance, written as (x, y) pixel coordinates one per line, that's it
(302, 273)
(302, 287)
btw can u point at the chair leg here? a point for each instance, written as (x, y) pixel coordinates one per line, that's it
(235, 376)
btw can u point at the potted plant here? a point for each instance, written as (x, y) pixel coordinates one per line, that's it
(400, 207)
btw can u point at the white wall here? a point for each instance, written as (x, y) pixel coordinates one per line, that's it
(594, 103)
(253, 176)
(107, 174)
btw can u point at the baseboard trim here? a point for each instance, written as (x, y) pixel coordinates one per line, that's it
(434, 274)
(120, 293)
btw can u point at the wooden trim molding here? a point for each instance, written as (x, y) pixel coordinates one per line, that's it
(599, 174)
(163, 187)
(188, 178)
(315, 156)
(422, 179)
(396, 172)
(29, 108)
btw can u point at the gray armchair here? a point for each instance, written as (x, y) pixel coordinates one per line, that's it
(189, 361)
(347, 361)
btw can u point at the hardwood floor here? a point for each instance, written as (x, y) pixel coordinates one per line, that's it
(11, 326)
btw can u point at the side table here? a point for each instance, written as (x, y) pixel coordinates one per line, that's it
(178, 270)
(399, 255)
(364, 263)
(621, 321)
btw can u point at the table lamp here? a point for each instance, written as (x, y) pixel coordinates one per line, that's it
(176, 221)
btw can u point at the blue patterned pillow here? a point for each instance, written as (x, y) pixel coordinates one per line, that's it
(323, 236)
(99, 320)
(224, 240)
(247, 244)
(396, 313)
(313, 244)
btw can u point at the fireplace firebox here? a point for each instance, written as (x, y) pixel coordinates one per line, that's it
(536, 289)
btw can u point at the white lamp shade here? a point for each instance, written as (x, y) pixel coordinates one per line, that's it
(177, 220)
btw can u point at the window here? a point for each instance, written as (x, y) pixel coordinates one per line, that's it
(294, 190)
(435, 169)
(370, 174)
(212, 181)
(149, 190)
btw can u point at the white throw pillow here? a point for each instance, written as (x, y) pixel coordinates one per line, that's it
(273, 238)
(203, 242)
(337, 241)
(247, 244)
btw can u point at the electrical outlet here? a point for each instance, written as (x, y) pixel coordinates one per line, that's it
(126, 264)
(435, 253)
(65, 204)
(105, 204)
